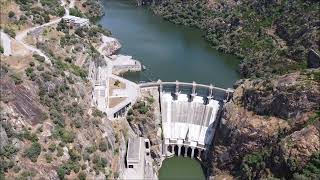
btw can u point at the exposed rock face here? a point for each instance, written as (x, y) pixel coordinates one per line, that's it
(261, 113)
(3, 138)
(288, 96)
(245, 132)
(23, 100)
(313, 59)
(300, 145)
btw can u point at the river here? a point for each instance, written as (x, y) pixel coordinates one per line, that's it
(170, 52)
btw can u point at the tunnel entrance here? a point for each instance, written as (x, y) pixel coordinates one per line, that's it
(170, 148)
(189, 152)
(176, 149)
(183, 151)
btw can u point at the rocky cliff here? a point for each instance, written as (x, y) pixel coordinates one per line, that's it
(271, 127)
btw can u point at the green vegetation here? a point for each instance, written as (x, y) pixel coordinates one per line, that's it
(1, 49)
(40, 14)
(33, 152)
(11, 14)
(82, 175)
(8, 151)
(99, 163)
(17, 79)
(48, 157)
(253, 164)
(66, 169)
(29, 136)
(65, 135)
(30, 73)
(313, 119)
(10, 32)
(97, 113)
(104, 145)
(38, 58)
(76, 12)
(52, 147)
(311, 170)
(63, 27)
(265, 35)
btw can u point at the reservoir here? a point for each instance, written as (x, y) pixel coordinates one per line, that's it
(170, 52)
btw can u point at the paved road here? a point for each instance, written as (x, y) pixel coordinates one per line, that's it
(20, 36)
(6, 43)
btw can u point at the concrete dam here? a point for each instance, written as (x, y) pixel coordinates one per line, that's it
(189, 115)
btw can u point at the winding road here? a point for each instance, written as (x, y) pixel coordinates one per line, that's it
(21, 35)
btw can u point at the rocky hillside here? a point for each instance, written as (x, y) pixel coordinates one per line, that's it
(270, 36)
(48, 128)
(271, 128)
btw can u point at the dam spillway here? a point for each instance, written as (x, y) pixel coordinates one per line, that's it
(189, 115)
(187, 124)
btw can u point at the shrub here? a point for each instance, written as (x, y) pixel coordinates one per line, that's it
(74, 155)
(65, 136)
(38, 58)
(130, 112)
(103, 146)
(29, 136)
(97, 113)
(143, 109)
(8, 151)
(129, 118)
(61, 172)
(150, 100)
(9, 31)
(48, 158)
(116, 83)
(33, 152)
(82, 175)
(59, 151)
(16, 78)
(75, 12)
(40, 68)
(1, 49)
(52, 147)
(11, 14)
(16, 169)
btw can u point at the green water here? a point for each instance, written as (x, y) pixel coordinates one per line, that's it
(170, 52)
(176, 168)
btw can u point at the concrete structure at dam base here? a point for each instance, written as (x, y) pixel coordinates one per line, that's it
(190, 113)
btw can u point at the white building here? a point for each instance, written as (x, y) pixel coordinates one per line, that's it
(76, 22)
(139, 161)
